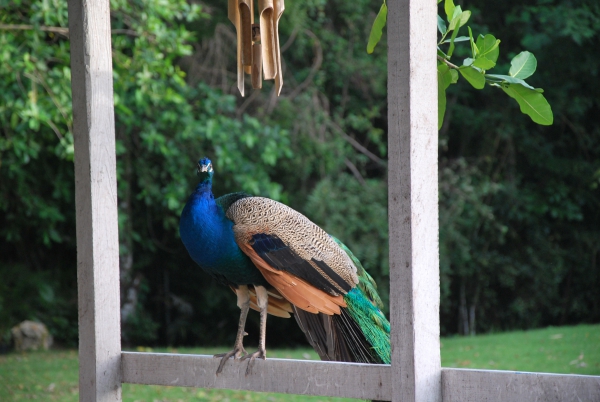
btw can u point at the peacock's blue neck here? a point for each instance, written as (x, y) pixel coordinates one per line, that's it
(208, 236)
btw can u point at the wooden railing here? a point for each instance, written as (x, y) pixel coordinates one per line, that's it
(415, 373)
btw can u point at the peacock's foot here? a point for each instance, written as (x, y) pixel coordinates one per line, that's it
(237, 352)
(260, 353)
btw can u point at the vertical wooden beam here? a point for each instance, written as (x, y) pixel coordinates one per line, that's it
(96, 201)
(413, 200)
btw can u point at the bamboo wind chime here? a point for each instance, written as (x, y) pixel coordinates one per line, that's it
(258, 50)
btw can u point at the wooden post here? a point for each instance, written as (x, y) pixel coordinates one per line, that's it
(96, 201)
(413, 200)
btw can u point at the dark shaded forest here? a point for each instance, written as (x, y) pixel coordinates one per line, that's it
(519, 202)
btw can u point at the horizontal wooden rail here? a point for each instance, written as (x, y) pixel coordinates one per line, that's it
(464, 385)
(349, 380)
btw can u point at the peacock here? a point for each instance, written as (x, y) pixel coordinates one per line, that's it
(278, 262)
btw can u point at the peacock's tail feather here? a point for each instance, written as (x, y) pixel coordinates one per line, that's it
(361, 333)
(372, 323)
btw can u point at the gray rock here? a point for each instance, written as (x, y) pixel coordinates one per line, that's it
(30, 335)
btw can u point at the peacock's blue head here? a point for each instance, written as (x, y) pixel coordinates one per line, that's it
(205, 170)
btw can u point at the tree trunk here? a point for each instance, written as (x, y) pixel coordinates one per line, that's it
(566, 299)
(462, 311)
(129, 284)
(472, 309)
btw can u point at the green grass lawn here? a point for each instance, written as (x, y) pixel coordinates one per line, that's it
(52, 376)
(572, 350)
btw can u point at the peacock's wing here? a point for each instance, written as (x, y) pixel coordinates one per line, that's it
(294, 255)
(226, 200)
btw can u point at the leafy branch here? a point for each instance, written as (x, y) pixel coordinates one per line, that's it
(57, 30)
(485, 50)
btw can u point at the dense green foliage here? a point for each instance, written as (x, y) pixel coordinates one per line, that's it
(156, 155)
(519, 203)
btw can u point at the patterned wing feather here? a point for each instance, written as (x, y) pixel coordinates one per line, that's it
(288, 241)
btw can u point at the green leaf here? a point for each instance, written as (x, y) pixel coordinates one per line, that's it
(488, 48)
(451, 48)
(457, 12)
(444, 80)
(531, 102)
(464, 17)
(459, 20)
(377, 28)
(473, 46)
(454, 75)
(444, 75)
(474, 76)
(441, 106)
(454, 34)
(441, 25)
(484, 63)
(523, 65)
(510, 80)
(458, 39)
(449, 9)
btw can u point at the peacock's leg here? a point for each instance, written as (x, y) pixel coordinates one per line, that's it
(262, 299)
(243, 295)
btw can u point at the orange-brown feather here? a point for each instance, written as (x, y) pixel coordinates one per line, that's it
(278, 306)
(297, 291)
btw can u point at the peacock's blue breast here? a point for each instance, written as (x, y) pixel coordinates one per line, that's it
(208, 236)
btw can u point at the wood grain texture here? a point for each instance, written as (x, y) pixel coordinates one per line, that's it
(351, 380)
(279, 7)
(233, 13)
(256, 72)
(463, 385)
(245, 12)
(96, 201)
(267, 38)
(413, 200)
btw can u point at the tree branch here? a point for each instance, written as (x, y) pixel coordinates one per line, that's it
(354, 171)
(357, 145)
(58, 30)
(440, 58)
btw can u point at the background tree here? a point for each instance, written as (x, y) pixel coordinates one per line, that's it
(519, 213)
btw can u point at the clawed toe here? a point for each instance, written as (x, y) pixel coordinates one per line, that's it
(261, 354)
(237, 352)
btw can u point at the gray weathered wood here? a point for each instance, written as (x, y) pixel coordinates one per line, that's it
(96, 201)
(413, 200)
(462, 385)
(415, 374)
(351, 380)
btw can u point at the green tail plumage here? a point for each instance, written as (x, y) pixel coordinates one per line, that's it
(361, 333)
(364, 306)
